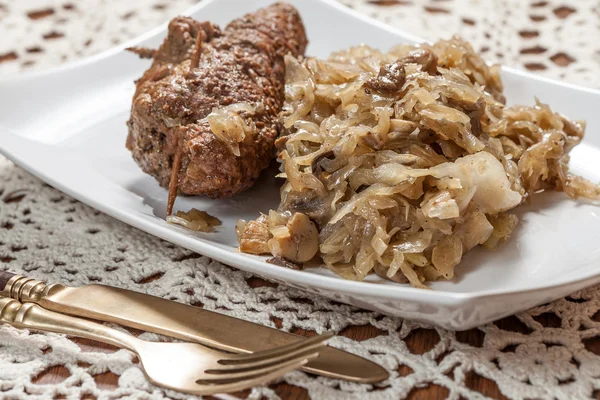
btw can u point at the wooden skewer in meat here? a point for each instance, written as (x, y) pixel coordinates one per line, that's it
(204, 115)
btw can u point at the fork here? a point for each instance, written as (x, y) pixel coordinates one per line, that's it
(185, 367)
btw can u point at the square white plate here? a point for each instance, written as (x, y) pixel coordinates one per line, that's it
(67, 126)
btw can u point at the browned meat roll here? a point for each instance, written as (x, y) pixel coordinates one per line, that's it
(204, 115)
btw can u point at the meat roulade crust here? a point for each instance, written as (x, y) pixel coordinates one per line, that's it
(204, 116)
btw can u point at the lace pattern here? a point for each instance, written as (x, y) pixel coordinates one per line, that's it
(551, 351)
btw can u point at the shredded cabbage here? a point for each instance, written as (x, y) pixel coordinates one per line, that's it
(406, 160)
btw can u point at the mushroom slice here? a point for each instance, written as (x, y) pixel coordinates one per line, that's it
(297, 241)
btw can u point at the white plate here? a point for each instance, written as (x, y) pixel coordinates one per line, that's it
(67, 126)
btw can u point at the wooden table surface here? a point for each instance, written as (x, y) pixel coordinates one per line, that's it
(418, 342)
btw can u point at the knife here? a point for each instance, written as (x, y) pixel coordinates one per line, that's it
(181, 321)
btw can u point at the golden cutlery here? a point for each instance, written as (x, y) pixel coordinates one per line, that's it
(186, 367)
(181, 321)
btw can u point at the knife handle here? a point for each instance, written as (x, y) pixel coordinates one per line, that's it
(21, 288)
(4, 278)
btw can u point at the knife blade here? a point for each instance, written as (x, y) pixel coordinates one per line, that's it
(181, 321)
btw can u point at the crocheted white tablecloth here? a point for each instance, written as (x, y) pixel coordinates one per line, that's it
(50, 236)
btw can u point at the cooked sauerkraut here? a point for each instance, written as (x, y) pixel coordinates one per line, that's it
(230, 127)
(406, 160)
(195, 220)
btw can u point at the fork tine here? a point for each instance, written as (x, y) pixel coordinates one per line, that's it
(308, 348)
(275, 352)
(227, 375)
(258, 374)
(248, 383)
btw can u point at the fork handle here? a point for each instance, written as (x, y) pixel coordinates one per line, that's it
(31, 316)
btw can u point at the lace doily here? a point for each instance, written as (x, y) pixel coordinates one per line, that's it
(545, 353)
